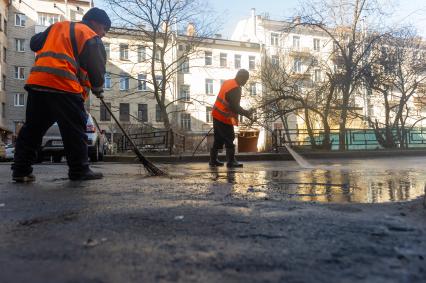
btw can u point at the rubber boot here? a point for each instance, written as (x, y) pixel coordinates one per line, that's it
(214, 161)
(230, 157)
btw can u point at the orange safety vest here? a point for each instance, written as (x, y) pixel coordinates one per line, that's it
(55, 64)
(221, 110)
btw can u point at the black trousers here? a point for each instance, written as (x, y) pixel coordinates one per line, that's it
(44, 109)
(223, 135)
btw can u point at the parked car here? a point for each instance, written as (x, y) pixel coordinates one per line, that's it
(10, 151)
(52, 144)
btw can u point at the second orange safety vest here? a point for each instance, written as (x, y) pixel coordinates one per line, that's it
(55, 64)
(221, 110)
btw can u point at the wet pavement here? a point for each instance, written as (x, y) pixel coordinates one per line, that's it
(341, 221)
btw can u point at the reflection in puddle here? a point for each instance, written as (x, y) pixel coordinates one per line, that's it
(327, 184)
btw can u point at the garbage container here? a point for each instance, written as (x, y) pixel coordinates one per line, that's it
(247, 141)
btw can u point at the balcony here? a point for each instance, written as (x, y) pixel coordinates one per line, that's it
(300, 76)
(301, 53)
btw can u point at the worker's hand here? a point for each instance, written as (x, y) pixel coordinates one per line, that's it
(250, 114)
(98, 94)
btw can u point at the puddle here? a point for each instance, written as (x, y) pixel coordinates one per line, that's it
(366, 181)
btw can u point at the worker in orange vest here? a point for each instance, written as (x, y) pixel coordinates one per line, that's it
(70, 61)
(225, 116)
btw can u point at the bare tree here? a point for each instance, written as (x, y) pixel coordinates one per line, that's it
(397, 77)
(172, 30)
(293, 92)
(344, 22)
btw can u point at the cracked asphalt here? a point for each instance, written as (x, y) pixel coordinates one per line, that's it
(343, 221)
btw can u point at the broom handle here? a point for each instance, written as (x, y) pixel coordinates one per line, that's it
(135, 149)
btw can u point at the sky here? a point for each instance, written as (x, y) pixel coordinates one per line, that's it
(231, 11)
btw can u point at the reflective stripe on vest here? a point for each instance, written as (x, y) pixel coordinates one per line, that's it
(56, 66)
(221, 110)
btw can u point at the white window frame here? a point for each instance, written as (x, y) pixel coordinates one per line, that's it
(209, 86)
(317, 75)
(275, 60)
(20, 44)
(275, 39)
(296, 42)
(237, 58)
(47, 19)
(253, 89)
(19, 100)
(18, 72)
(317, 44)
(141, 53)
(124, 82)
(20, 20)
(124, 52)
(297, 65)
(252, 62)
(208, 58)
(184, 93)
(108, 81)
(223, 60)
(185, 121)
(142, 82)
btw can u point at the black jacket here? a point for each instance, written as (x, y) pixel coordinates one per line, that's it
(234, 97)
(92, 57)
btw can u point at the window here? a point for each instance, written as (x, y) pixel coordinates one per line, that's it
(252, 62)
(223, 59)
(185, 121)
(45, 19)
(209, 86)
(1, 28)
(104, 114)
(124, 112)
(184, 94)
(275, 60)
(20, 44)
(158, 55)
(159, 80)
(124, 82)
(4, 82)
(274, 39)
(3, 110)
(317, 75)
(124, 52)
(142, 82)
(5, 26)
(317, 46)
(18, 100)
(253, 89)
(208, 58)
(184, 66)
(297, 66)
(143, 112)
(209, 117)
(4, 54)
(107, 50)
(158, 116)
(141, 53)
(19, 73)
(107, 84)
(20, 20)
(296, 42)
(237, 61)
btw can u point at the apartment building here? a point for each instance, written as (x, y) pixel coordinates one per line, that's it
(191, 90)
(26, 18)
(4, 130)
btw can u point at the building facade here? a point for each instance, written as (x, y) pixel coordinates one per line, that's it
(4, 130)
(25, 19)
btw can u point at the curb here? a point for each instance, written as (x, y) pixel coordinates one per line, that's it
(268, 156)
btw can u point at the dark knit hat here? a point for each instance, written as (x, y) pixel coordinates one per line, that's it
(99, 16)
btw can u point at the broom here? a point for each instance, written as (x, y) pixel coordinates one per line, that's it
(149, 166)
